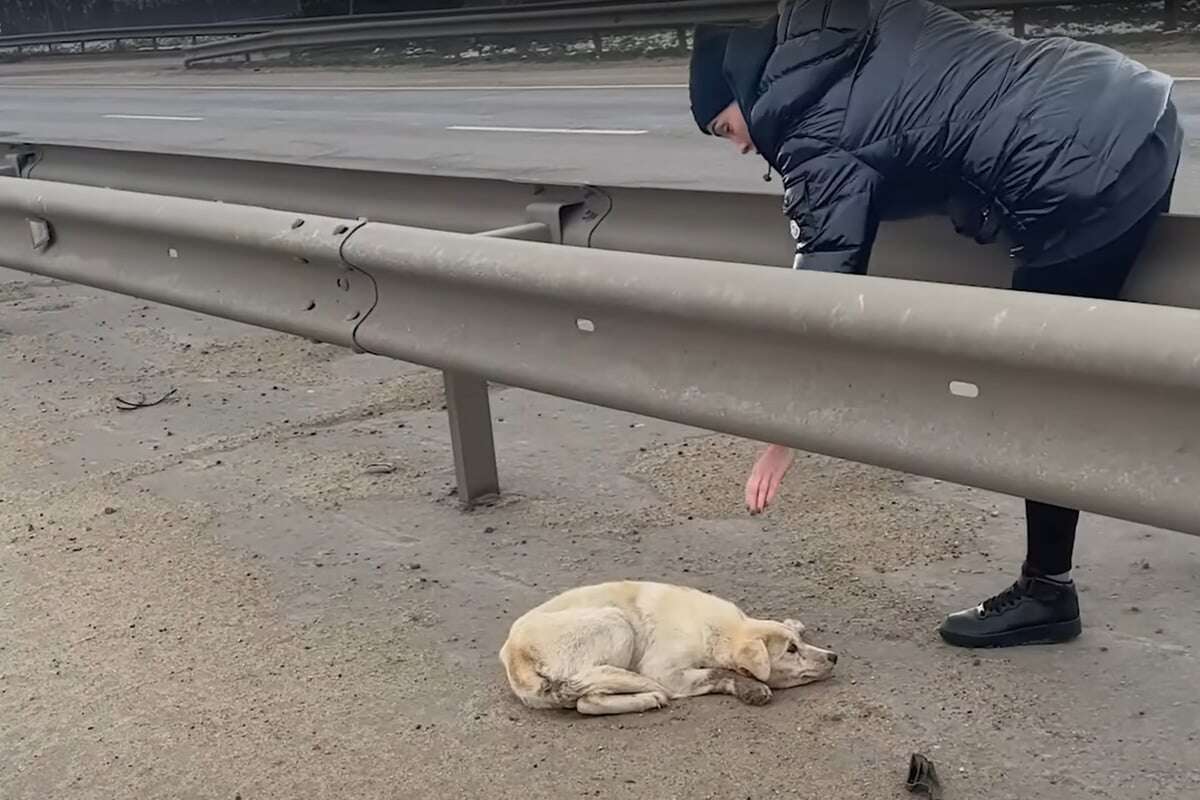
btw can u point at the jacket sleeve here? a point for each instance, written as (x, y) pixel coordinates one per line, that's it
(832, 202)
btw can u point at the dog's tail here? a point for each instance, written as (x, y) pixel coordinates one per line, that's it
(535, 688)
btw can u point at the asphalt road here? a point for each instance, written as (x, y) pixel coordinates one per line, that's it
(613, 125)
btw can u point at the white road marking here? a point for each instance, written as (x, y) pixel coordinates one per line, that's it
(267, 88)
(502, 129)
(154, 117)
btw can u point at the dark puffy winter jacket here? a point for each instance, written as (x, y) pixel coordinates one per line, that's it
(878, 109)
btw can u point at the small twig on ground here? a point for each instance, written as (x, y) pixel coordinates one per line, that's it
(134, 405)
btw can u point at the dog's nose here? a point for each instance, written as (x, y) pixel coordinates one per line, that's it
(832, 657)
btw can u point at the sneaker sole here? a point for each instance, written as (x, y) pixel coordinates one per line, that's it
(1053, 633)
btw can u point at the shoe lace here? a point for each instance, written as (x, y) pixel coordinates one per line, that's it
(1007, 599)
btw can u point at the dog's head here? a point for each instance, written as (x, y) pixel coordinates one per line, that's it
(777, 654)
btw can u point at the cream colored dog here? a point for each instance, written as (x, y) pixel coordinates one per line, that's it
(630, 646)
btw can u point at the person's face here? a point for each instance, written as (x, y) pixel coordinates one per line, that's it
(731, 124)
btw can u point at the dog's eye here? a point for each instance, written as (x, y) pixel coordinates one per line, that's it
(793, 648)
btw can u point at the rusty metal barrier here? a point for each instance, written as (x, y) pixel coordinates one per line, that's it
(1084, 403)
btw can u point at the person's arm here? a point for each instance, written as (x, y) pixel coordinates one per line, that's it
(831, 200)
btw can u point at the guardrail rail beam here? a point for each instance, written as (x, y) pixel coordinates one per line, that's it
(1082, 403)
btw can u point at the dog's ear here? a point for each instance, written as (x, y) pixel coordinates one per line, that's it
(752, 659)
(796, 625)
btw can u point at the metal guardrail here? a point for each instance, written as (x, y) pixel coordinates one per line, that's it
(583, 19)
(1020, 9)
(145, 33)
(235, 28)
(588, 18)
(1084, 403)
(734, 227)
(257, 36)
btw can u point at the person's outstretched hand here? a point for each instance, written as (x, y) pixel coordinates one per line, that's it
(766, 476)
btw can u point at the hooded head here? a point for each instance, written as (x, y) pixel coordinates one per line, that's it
(709, 88)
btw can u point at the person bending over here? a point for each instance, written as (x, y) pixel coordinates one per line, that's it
(1063, 151)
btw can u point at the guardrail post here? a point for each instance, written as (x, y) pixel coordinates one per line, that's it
(467, 404)
(1171, 15)
(16, 162)
(470, 411)
(1019, 22)
(471, 437)
(598, 44)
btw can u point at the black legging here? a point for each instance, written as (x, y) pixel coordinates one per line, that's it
(1050, 530)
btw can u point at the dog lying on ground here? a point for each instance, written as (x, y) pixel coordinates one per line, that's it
(632, 646)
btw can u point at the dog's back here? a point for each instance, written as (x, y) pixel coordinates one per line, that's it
(650, 599)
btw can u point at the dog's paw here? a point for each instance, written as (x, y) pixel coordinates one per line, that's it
(661, 698)
(753, 693)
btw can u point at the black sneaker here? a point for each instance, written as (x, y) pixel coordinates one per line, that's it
(1032, 611)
